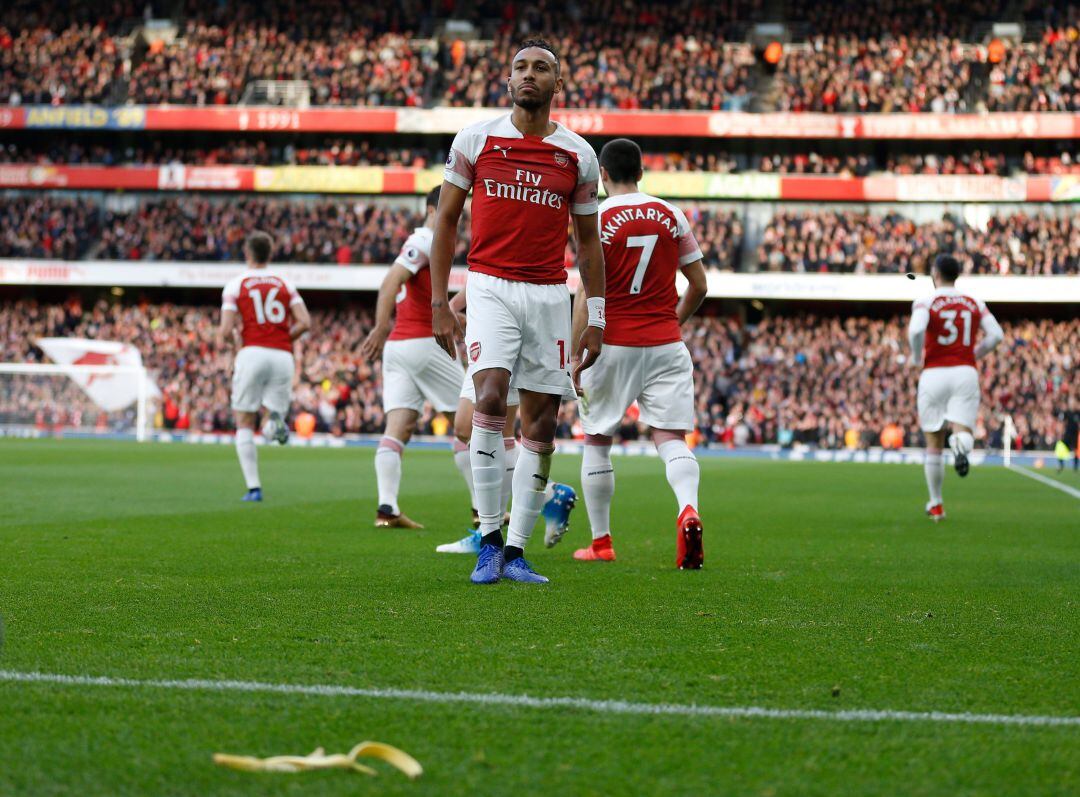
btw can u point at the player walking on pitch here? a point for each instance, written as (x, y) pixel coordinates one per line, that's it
(527, 174)
(646, 242)
(560, 498)
(414, 367)
(272, 316)
(945, 324)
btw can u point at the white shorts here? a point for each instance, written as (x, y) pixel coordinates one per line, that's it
(948, 394)
(418, 370)
(262, 377)
(468, 392)
(659, 378)
(522, 328)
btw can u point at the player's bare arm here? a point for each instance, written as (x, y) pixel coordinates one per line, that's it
(579, 317)
(591, 269)
(444, 325)
(227, 328)
(993, 334)
(695, 292)
(372, 347)
(301, 321)
(457, 306)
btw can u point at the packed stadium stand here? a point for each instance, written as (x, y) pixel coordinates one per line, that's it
(829, 381)
(909, 55)
(804, 141)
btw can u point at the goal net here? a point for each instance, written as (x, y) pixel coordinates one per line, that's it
(41, 400)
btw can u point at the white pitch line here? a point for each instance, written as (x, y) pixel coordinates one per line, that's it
(1046, 480)
(526, 701)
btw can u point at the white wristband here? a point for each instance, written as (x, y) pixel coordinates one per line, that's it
(597, 317)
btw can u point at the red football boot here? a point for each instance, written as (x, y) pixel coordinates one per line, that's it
(935, 512)
(599, 551)
(689, 555)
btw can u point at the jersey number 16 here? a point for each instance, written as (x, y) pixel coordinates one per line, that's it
(271, 310)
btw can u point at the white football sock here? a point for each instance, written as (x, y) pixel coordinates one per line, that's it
(510, 446)
(388, 471)
(464, 466)
(961, 442)
(683, 472)
(598, 485)
(488, 458)
(934, 467)
(249, 457)
(530, 485)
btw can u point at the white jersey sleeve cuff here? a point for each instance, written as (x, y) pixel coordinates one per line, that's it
(456, 179)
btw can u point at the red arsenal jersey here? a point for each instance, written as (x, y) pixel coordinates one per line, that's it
(263, 301)
(414, 300)
(646, 241)
(524, 188)
(952, 327)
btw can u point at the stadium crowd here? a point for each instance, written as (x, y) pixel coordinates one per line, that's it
(336, 151)
(915, 56)
(193, 228)
(333, 151)
(619, 55)
(832, 382)
(861, 242)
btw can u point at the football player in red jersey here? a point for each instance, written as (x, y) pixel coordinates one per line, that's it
(942, 333)
(272, 316)
(415, 369)
(527, 175)
(647, 242)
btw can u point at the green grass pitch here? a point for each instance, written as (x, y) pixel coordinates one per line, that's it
(824, 588)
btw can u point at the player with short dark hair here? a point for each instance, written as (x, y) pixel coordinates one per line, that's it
(528, 176)
(272, 316)
(942, 334)
(647, 242)
(414, 367)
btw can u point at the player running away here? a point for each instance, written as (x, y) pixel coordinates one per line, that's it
(528, 175)
(942, 334)
(647, 242)
(272, 316)
(415, 369)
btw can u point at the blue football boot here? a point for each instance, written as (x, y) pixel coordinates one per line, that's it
(556, 513)
(489, 565)
(470, 543)
(254, 494)
(520, 570)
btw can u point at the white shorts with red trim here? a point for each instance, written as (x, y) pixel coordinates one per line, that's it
(659, 378)
(416, 370)
(262, 377)
(522, 328)
(948, 394)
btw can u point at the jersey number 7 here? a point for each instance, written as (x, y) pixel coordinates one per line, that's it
(647, 243)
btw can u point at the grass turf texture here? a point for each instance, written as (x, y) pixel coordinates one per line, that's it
(824, 588)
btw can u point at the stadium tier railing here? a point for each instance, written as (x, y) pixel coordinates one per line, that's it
(729, 285)
(671, 185)
(444, 121)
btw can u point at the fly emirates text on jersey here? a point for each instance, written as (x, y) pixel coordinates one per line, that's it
(526, 189)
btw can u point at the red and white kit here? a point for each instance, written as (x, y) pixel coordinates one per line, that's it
(263, 370)
(646, 241)
(949, 384)
(415, 368)
(524, 190)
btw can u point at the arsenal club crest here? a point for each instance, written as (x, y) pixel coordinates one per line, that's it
(561, 159)
(474, 351)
